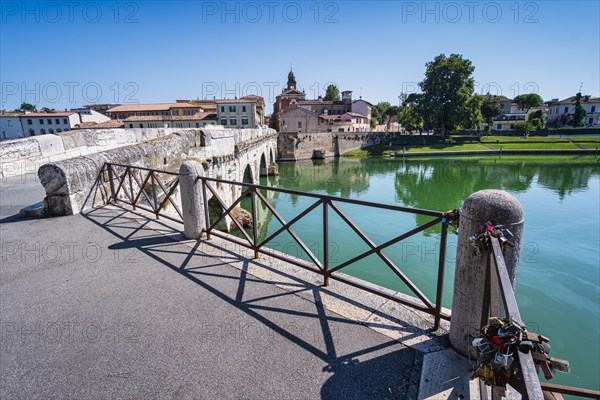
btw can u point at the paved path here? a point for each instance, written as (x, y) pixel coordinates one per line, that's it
(102, 306)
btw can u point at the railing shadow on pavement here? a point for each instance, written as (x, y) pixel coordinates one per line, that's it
(390, 373)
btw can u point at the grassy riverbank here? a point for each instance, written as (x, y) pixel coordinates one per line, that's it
(434, 144)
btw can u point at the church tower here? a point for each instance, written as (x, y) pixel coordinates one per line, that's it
(291, 83)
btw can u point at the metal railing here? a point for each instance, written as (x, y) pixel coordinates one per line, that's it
(128, 183)
(132, 185)
(328, 204)
(499, 297)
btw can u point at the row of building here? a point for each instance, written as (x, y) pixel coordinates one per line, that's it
(292, 112)
(556, 113)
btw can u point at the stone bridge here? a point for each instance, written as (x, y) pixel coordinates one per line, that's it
(240, 155)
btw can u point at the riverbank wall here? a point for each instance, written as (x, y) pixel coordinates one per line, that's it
(304, 146)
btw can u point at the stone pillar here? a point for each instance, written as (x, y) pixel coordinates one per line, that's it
(500, 208)
(192, 202)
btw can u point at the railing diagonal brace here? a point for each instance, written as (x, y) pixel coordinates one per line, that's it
(227, 211)
(142, 186)
(388, 243)
(286, 226)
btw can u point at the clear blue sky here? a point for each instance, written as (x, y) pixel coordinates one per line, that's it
(66, 54)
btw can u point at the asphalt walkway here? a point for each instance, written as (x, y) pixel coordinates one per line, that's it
(106, 305)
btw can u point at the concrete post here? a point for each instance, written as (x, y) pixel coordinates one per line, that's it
(500, 208)
(192, 202)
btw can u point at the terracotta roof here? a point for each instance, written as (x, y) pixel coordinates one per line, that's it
(113, 123)
(356, 115)
(295, 107)
(196, 117)
(10, 114)
(330, 117)
(148, 118)
(150, 107)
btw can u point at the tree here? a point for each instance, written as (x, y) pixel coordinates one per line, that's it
(577, 119)
(48, 110)
(379, 112)
(472, 118)
(411, 112)
(536, 119)
(332, 93)
(448, 91)
(27, 107)
(490, 107)
(527, 101)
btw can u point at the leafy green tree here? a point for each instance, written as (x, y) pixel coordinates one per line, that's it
(332, 93)
(27, 107)
(48, 110)
(577, 119)
(490, 107)
(537, 124)
(379, 112)
(538, 114)
(527, 101)
(411, 112)
(448, 88)
(472, 118)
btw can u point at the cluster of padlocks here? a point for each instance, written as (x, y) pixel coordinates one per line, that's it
(480, 242)
(498, 349)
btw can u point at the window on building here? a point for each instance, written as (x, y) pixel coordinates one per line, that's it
(43, 131)
(57, 121)
(593, 110)
(65, 121)
(141, 125)
(233, 121)
(131, 125)
(224, 121)
(243, 108)
(591, 121)
(10, 124)
(41, 121)
(49, 121)
(51, 130)
(31, 132)
(231, 108)
(299, 124)
(245, 121)
(499, 127)
(29, 122)
(222, 108)
(566, 110)
(58, 130)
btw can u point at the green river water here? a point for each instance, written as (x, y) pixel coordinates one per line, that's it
(558, 282)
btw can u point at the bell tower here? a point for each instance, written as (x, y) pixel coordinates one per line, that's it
(291, 83)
